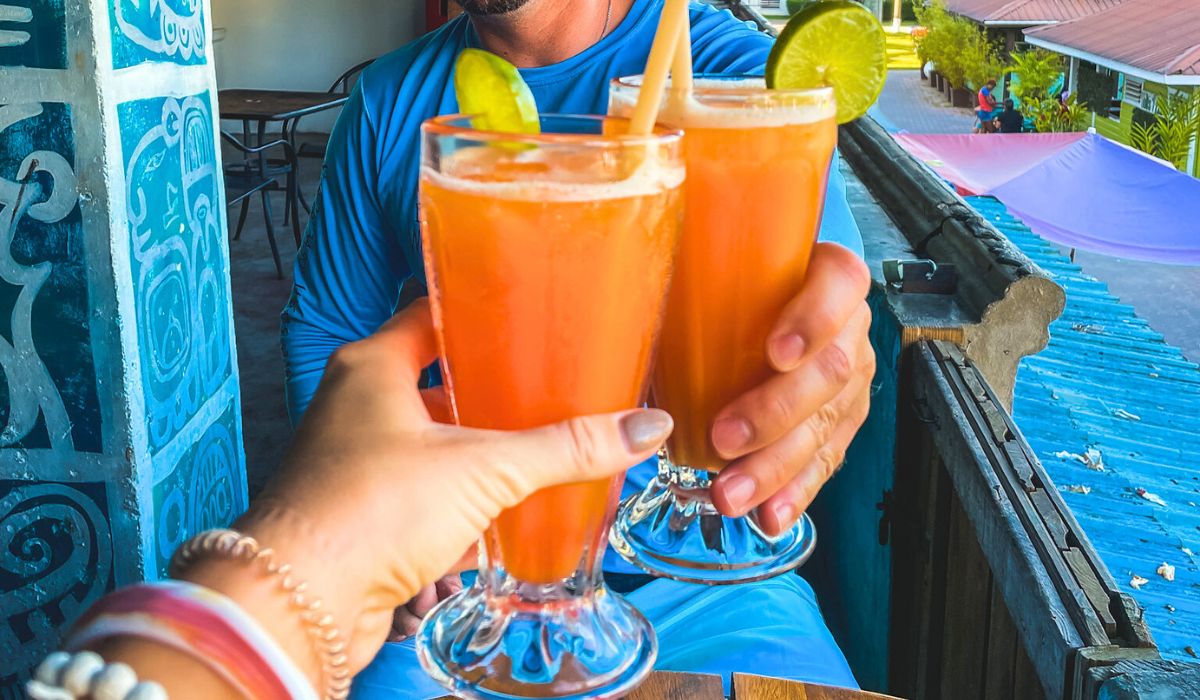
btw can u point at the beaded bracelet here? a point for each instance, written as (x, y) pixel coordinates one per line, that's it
(319, 627)
(63, 676)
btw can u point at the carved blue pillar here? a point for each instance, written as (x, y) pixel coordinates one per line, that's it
(120, 431)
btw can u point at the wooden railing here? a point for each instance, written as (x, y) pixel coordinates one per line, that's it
(949, 566)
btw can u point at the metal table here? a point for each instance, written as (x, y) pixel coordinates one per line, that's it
(263, 107)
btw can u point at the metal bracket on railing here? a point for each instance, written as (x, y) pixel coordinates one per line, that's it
(920, 276)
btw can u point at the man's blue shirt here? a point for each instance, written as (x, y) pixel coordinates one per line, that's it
(363, 244)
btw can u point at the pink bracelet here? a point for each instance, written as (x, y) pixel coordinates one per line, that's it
(202, 624)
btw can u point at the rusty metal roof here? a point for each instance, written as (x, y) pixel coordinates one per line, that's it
(1158, 36)
(1031, 12)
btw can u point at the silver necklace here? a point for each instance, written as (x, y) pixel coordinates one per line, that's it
(607, 20)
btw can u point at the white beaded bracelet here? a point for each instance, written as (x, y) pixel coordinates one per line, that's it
(63, 676)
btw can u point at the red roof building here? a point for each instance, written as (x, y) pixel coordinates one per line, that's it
(1027, 13)
(1154, 40)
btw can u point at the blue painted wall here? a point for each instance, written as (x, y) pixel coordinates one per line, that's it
(120, 431)
(37, 35)
(48, 397)
(57, 560)
(207, 489)
(179, 263)
(157, 30)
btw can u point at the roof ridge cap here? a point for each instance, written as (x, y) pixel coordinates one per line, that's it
(1190, 57)
(1008, 7)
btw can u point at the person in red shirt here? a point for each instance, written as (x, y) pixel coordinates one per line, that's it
(986, 108)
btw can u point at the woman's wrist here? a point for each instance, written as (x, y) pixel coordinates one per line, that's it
(327, 560)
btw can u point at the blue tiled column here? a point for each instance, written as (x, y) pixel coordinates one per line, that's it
(119, 425)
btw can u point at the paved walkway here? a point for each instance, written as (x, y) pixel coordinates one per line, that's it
(909, 104)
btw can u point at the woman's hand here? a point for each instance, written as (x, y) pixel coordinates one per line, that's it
(375, 500)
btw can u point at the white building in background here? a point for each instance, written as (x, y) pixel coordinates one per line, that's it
(768, 6)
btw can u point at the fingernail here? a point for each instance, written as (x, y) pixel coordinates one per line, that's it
(739, 491)
(785, 515)
(786, 351)
(731, 434)
(646, 430)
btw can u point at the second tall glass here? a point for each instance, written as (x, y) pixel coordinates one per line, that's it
(758, 163)
(548, 258)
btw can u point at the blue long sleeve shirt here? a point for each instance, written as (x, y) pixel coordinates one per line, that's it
(363, 245)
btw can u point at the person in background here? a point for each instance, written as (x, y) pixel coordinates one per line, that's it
(1010, 121)
(241, 620)
(986, 107)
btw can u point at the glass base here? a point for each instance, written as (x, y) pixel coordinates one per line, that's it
(672, 529)
(508, 640)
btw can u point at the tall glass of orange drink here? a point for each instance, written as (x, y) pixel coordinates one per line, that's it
(758, 163)
(548, 259)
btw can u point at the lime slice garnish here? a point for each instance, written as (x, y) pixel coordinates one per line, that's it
(835, 43)
(493, 93)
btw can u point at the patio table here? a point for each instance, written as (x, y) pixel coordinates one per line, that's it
(263, 107)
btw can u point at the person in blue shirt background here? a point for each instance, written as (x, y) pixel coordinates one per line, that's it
(361, 259)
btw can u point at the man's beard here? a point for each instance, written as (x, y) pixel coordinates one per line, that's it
(490, 7)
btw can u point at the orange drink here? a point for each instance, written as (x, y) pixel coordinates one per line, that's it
(755, 192)
(758, 163)
(547, 271)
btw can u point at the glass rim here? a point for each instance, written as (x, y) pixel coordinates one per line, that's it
(445, 125)
(634, 82)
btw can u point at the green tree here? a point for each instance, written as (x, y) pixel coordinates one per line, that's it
(959, 49)
(931, 44)
(1034, 72)
(1051, 116)
(1176, 125)
(980, 58)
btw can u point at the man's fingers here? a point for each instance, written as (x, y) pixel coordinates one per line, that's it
(781, 510)
(587, 448)
(766, 413)
(836, 282)
(448, 586)
(422, 602)
(753, 479)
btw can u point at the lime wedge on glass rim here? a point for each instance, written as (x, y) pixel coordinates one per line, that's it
(492, 92)
(834, 43)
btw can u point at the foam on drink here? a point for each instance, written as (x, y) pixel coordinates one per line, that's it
(723, 104)
(537, 174)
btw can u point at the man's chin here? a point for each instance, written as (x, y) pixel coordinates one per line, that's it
(491, 7)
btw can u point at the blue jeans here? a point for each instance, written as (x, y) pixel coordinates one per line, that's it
(771, 628)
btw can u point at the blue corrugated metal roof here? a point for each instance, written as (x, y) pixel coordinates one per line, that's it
(1109, 381)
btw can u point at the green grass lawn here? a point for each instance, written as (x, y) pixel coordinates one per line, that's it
(902, 55)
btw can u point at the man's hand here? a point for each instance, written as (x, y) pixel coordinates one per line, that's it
(789, 435)
(409, 616)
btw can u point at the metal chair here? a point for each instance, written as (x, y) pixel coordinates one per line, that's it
(255, 173)
(342, 86)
